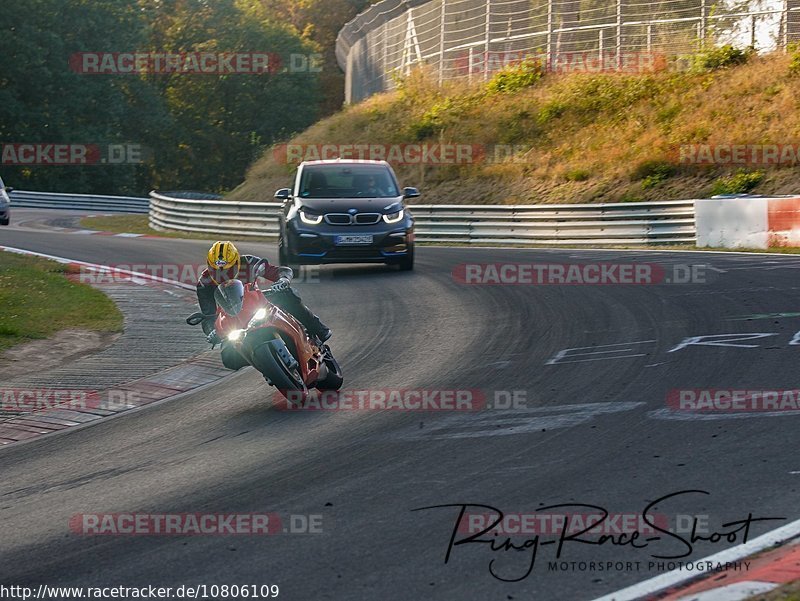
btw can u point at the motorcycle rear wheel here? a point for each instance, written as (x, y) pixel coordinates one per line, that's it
(334, 379)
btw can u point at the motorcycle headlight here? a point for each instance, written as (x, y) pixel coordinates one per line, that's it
(393, 217)
(235, 335)
(310, 219)
(259, 315)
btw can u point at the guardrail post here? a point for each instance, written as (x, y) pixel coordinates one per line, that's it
(385, 53)
(619, 34)
(442, 32)
(703, 23)
(487, 33)
(550, 28)
(600, 47)
(787, 21)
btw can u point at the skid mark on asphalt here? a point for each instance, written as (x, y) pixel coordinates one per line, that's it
(512, 421)
(694, 416)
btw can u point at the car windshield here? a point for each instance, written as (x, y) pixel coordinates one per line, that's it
(230, 297)
(347, 181)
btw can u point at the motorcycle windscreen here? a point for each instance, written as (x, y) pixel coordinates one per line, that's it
(230, 297)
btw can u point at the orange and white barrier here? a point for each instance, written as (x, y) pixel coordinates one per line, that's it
(748, 222)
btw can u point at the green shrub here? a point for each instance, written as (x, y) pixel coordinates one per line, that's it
(577, 175)
(721, 58)
(630, 196)
(439, 115)
(668, 113)
(515, 77)
(601, 93)
(739, 183)
(794, 64)
(653, 170)
(432, 121)
(551, 110)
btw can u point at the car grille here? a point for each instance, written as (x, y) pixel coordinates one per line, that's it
(347, 219)
(338, 218)
(367, 218)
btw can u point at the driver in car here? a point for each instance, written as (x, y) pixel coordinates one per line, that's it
(372, 188)
(224, 263)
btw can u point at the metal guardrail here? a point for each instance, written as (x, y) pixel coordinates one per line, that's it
(79, 202)
(619, 223)
(214, 216)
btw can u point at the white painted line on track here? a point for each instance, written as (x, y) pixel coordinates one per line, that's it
(97, 267)
(738, 591)
(567, 353)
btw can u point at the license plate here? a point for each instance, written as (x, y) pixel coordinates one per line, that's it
(347, 240)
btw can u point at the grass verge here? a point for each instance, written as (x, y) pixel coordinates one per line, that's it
(787, 592)
(38, 301)
(138, 224)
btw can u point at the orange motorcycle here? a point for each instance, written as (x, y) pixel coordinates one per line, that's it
(271, 340)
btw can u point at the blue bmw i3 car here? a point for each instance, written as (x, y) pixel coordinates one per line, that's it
(346, 211)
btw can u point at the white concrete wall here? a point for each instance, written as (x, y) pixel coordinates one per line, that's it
(732, 222)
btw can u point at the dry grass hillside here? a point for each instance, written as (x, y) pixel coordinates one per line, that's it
(577, 137)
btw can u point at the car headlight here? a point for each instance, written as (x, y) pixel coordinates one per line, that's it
(259, 315)
(393, 217)
(310, 219)
(235, 335)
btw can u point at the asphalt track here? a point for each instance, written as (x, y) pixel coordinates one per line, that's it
(594, 432)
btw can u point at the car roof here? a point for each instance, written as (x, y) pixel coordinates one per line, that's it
(345, 162)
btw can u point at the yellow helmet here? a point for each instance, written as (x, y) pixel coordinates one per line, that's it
(223, 262)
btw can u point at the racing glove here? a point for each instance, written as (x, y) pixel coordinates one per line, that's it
(280, 285)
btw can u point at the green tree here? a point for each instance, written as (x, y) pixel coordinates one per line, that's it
(43, 101)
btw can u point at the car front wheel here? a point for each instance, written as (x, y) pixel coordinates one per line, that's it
(407, 262)
(285, 258)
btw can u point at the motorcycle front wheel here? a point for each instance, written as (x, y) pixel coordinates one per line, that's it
(287, 380)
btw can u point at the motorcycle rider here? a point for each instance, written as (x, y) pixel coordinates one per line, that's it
(224, 263)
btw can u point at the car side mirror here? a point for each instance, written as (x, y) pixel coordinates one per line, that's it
(410, 193)
(283, 194)
(9, 189)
